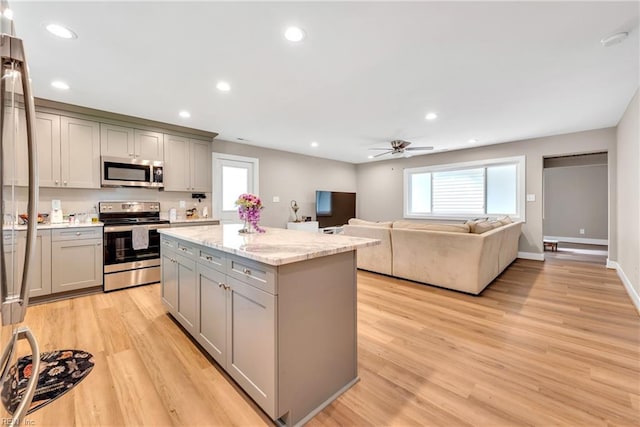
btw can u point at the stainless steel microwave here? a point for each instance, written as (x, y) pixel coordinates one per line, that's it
(124, 172)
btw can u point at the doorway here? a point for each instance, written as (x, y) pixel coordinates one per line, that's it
(575, 208)
(232, 176)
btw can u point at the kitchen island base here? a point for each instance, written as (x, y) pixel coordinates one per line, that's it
(285, 333)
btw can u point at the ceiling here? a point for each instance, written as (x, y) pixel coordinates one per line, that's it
(367, 72)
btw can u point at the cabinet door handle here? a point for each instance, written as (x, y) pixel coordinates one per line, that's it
(65, 183)
(246, 271)
(57, 182)
(183, 249)
(209, 258)
(77, 233)
(130, 154)
(221, 285)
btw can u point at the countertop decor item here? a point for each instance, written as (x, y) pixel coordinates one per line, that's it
(295, 208)
(249, 207)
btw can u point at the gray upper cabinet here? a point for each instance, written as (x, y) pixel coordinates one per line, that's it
(126, 142)
(48, 142)
(116, 141)
(148, 145)
(79, 153)
(187, 165)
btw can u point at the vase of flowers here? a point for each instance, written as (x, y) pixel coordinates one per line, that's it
(249, 207)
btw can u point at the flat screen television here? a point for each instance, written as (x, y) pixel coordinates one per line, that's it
(334, 208)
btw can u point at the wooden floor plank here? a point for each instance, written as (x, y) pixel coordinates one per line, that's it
(553, 343)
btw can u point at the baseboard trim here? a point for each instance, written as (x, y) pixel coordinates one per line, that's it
(581, 240)
(531, 255)
(633, 294)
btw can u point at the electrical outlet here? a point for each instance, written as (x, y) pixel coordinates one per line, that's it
(183, 204)
(276, 199)
(582, 231)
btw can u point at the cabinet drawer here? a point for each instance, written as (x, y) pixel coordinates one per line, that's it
(212, 259)
(76, 233)
(253, 273)
(168, 243)
(186, 249)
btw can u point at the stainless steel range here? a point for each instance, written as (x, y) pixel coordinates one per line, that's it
(131, 243)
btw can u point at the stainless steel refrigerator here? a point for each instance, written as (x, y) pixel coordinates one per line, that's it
(17, 140)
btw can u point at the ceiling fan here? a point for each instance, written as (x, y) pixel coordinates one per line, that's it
(399, 146)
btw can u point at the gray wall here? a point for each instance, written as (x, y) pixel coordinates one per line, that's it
(628, 194)
(576, 197)
(380, 183)
(291, 177)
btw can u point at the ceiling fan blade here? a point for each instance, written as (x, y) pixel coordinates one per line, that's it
(404, 144)
(382, 154)
(386, 149)
(419, 148)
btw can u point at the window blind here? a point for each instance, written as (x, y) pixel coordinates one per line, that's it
(458, 192)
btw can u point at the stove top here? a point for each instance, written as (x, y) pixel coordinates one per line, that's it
(130, 213)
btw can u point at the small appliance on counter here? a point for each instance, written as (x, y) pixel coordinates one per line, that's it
(56, 216)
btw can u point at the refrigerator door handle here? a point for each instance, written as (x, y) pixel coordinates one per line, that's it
(13, 60)
(32, 207)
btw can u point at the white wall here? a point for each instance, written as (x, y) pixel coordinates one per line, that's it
(628, 199)
(380, 183)
(291, 177)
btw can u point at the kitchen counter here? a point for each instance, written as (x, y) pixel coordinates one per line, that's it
(275, 247)
(276, 310)
(56, 226)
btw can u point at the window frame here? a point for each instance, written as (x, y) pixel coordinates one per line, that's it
(518, 161)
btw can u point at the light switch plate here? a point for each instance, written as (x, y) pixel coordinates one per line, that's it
(531, 197)
(276, 199)
(183, 204)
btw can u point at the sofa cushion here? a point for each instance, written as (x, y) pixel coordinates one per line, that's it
(384, 224)
(483, 227)
(473, 222)
(431, 226)
(506, 220)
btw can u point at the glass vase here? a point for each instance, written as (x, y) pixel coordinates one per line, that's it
(247, 227)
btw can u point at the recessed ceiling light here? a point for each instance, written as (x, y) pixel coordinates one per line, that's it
(61, 31)
(60, 85)
(184, 114)
(294, 34)
(431, 116)
(370, 157)
(8, 13)
(614, 39)
(223, 86)
(314, 144)
(473, 141)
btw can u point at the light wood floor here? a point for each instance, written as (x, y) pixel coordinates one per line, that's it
(553, 343)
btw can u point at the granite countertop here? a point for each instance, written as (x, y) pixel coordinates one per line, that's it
(55, 226)
(276, 246)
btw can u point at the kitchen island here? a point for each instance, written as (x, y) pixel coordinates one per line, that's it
(276, 310)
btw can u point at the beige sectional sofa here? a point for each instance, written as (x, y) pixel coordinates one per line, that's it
(464, 257)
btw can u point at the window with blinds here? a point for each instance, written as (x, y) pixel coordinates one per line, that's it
(466, 190)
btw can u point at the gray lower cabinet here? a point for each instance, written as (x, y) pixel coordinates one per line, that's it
(179, 290)
(212, 312)
(40, 270)
(76, 257)
(169, 267)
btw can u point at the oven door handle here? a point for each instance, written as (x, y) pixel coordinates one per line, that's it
(117, 228)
